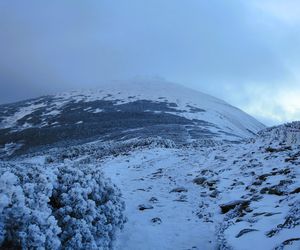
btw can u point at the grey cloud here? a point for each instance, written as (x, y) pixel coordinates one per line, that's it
(214, 46)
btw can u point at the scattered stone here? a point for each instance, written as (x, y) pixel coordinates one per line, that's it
(245, 231)
(178, 190)
(245, 196)
(275, 150)
(263, 177)
(221, 158)
(291, 159)
(143, 207)
(211, 183)
(157, 174)
(153, 199)
(180, 200)
(272, 232)
(238, 183)
(256, 197)
(243, 204)
(284, 171)
(287, 242)
(206, 171)
(274, 190)
(296, 191)
(156, 220)
(271, 214)
(238, 220)
(248, 210)
(257, 183)
(214, 194)
(258, 214)
(285, 182)
(199, 180)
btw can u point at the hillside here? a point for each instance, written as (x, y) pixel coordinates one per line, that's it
(120, 111)
(226, 196)
(180, 171)
(240, 197)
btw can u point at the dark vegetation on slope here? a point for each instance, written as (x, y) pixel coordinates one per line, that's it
(76, 124)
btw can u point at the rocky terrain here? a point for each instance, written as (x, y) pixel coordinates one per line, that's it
(194, 173)
(243, 196)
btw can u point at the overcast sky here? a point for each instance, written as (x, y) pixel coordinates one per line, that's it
(245, 52)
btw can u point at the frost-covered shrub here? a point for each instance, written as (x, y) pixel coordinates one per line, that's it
(26, 219)
(288, 134)
(87, 208)
(87, 153)
(69, 207)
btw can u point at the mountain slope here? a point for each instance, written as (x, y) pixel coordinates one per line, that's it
(185, 181)
(230, 196)
(241, 197)
(120, 111)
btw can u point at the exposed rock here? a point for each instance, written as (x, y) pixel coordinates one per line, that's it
(182, 198)
(263, 177)
(258, 214)
(287, 242)
(243, 204)
(275, 190)
(214, 193)
(244, 231)
(275, 150)
(211, 183)
(153, 199)
(156, 220)
(257, 183)
(178, 190)
(143, 207)
(271, 214)
(296, 191)
(199, 180)
(238, 183)
(293, 158)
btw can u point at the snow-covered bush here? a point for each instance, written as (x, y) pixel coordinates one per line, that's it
(69, 207)
(87, 208)
(88, 152)
(288, 134)
(26, 219)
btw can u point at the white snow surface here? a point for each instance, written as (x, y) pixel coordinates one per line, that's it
(192, 219)
(146, 178)
(175, 196)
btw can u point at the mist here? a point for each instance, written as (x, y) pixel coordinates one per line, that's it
(245, 52)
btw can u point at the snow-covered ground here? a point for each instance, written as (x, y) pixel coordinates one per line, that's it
(243, 196)
(206, 193)
(169, 220)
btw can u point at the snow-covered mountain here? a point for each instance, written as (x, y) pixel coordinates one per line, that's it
(186, 170)
(119, 111)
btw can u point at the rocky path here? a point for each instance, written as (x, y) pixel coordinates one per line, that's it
(243, 197)
(163, 204)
